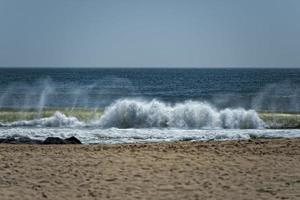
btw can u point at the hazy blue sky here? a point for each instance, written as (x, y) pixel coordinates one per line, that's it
(139, 33)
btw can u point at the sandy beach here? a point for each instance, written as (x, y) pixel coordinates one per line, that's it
(256, 169)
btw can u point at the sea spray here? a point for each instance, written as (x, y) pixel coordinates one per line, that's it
(278, 97)
(130, 113)
(47, 89)
(58, 119)
(134, 113)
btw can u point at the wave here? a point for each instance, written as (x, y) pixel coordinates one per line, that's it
(132, 113)
(58, 119)
(115, 135)
(129, 113)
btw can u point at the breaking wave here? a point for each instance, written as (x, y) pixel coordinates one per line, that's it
(127, 113)
(58, 119)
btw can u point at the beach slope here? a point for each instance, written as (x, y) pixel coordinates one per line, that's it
(253, 169)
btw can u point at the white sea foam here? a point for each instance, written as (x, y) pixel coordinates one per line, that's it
(129, 113)
(130, 120)
(58, 119)
(115, 135)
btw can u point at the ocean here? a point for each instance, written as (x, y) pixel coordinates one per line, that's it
(121, 105)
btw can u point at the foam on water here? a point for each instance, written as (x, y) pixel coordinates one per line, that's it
(128, 113)
(115, 135)
(131, 120)
(58, 119)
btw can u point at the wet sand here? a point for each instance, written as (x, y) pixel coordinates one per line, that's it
(257, 169)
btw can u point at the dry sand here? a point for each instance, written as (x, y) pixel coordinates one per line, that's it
(259, 169)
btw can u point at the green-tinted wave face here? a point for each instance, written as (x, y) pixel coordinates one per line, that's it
(83, 114)
(281, 120)
(272, 120)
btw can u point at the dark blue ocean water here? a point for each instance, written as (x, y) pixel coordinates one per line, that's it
(260, 89)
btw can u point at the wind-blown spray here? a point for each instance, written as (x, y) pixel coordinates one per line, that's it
(129, 113)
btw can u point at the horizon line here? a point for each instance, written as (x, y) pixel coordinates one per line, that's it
(154, 67)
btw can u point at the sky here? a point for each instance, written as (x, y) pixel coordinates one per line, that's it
(150, 33)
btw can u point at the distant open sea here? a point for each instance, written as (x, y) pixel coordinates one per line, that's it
(260, 89)
(135, 104)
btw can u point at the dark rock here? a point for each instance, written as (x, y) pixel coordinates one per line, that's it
(54, 140)
(49, 140)
(27, 140)
(72, 140)
(19, 140)
(7, 140)
(187, 139)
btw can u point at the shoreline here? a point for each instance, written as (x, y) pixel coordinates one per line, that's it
(240, 169)
(24, 140)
